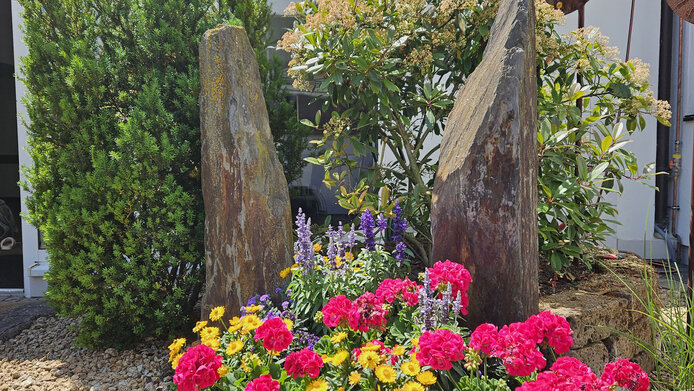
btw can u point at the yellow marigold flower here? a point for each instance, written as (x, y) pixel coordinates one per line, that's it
(199, 326)
(386, 374)
(341, 389)
(325, 259)
(212, 342)
(216, 313)
(349, 256)
(337, 338)
(234, 347)
(235, 328)
(340, 357)
(415, 341)
(209, 332)
(285, 272)
(317, 385)
(398, 350)
(174, 362)
(412, 386)
(251, 322)
(371, 347)
(253, 308)
(289, 323)
(338, 262)
(369, 360)
(413, 357)
(244, 366)
(317, 247)
(354, 378)
(222, 370)
(427, 378)
(356, 269)
(234, 321)
(175, 347)
(325, 358)
(410, 368)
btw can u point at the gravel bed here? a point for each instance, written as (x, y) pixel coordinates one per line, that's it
(43, 357)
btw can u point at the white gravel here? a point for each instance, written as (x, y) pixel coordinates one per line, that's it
(43, 357)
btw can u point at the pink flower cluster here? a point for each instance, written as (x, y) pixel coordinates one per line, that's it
(275, 335)
(517, 344)
(443, 273)
(337, 311)
(440, 348)
(625, 374)
(391, 289)
(302, 363)
(364, 314)
(570, 374)
(263, 383)
(197, 368)
(368, 313)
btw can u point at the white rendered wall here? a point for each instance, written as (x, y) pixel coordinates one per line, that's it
(35, 260)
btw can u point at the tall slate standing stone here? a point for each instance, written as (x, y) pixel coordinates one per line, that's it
(248, 223)
(484, 212)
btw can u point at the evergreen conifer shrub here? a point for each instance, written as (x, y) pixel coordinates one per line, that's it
(114, 135)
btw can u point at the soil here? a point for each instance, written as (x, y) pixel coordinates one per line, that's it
(551, 282)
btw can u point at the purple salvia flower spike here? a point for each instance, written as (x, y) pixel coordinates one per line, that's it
(381, 222)
(367, 227)
(399, 228)
(303, 247)
(352, 238)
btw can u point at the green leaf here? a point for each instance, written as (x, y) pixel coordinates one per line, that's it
(605, 144)
(582, 167)
(598, 170)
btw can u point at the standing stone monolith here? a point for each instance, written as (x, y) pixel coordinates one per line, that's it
(484, 212)
(248, 237)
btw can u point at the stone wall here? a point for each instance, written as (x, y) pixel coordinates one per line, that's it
(603, 312)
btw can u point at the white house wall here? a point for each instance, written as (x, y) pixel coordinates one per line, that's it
(35, 260)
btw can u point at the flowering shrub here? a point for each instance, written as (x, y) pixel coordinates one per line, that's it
(391, 70)
(401, 335)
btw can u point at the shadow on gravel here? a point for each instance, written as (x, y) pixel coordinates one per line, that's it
(18, 315)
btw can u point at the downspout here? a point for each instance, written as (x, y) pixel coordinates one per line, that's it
(663, 132)
(677, 156)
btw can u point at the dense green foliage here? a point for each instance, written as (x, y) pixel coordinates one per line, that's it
(392, 69)
(589, 104)
(114, 135)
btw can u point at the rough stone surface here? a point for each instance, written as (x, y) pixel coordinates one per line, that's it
(592, 316)
(595, 355)
(484, 211)
(248, 218)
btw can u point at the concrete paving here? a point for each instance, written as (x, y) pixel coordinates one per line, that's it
(18, 313)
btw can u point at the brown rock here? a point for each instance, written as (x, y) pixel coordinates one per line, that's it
(248, 218)
(594, 355)
(484, 211)
(593, 317)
